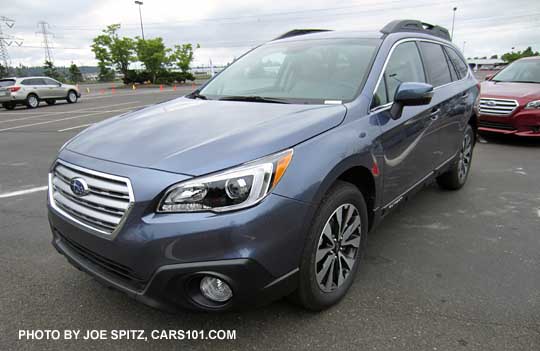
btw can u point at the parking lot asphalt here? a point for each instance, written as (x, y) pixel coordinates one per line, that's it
(446, 271)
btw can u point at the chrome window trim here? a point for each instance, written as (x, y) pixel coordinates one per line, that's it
(389, 104)
(79, 223)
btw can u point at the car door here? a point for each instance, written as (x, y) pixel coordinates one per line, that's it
(31, 85)
(54, 88)
(448, 112)
(40, 87)
(408, 143)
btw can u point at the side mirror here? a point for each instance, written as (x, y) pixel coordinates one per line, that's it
(59, 84)
(489, 76)
(410, 94)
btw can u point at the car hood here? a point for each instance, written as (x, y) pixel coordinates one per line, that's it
(196, 137)
(518, 91)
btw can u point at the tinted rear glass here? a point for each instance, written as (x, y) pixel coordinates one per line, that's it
(458, 62)
(435, 63)
(6, 82)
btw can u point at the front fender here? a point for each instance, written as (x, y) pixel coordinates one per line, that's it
(318, 162)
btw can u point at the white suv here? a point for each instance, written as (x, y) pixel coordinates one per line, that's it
(30, 91)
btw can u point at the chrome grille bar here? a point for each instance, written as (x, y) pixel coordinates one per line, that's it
(497, 107)
(103, 209)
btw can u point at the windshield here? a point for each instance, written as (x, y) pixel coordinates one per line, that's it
(306, 71)
(6, 82)
(527, 71)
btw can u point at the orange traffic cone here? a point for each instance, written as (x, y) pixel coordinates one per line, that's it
(174, 87)
(161, 87)
(192, 85)
(113, 90)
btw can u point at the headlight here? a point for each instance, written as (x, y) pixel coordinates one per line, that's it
(533, 105)
(229, 190)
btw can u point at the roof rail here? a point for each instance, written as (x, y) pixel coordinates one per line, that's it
(416, 26)
(297, 32)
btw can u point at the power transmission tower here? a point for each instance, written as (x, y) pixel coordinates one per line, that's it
(5, 42)
(44, 26)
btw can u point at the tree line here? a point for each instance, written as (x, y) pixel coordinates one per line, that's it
(161, 64)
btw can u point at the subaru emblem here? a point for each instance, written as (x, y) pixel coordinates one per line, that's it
(79, 187)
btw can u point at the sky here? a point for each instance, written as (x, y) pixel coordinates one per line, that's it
(225, 29)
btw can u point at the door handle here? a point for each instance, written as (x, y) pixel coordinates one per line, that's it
(434, 115)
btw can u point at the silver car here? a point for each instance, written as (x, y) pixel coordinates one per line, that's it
(30, 91)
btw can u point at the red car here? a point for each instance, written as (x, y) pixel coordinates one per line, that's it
(510, 100)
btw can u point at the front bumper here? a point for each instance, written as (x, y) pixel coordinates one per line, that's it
(525, 123)
(156, 258)
(175, 286)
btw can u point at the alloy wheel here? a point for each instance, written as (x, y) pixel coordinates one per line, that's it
(33, 101)
(465, 157)
(338, 247)
(72, 97)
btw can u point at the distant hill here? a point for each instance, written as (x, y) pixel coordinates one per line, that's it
(24, 71)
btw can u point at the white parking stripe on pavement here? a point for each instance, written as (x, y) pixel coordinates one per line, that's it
(76, 127)
(23, 192)
(66, 112)
(69, 118)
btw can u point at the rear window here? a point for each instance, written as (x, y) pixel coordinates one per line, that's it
(458, 62)
(436, 64)
(6, 82)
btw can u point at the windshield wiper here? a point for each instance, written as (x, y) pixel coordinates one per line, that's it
(252, 98)
(514, 81)
(523, 81)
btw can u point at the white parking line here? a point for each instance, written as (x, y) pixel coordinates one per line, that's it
(66, 112)
(76, 127)
(23, 192)
(68, 118)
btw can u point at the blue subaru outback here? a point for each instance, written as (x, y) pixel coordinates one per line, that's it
(266, 181)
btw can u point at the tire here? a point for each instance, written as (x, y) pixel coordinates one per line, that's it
(32, 101)
(8, 105)
(322, 256)
(50, 102)
(456, 177)
(72, 97)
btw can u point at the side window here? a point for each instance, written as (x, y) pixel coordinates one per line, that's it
(436, 64)
(453, 73)
(48, 81)
(27, 82)
(458, 62)
(405, 65)
(381, 96)
(37, 81)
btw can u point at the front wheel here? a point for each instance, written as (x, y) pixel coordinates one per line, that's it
(456, 176)
(72, 97)
(333, 248)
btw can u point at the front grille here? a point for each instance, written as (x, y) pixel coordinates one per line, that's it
(121, 273)
(104, 207)
(495, 125)
(497, 107)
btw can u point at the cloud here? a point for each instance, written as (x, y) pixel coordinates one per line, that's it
(226, 29)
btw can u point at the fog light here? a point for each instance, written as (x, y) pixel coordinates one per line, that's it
(215, 289)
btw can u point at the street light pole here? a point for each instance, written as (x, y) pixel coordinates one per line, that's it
(453, 20)
(140, 17)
